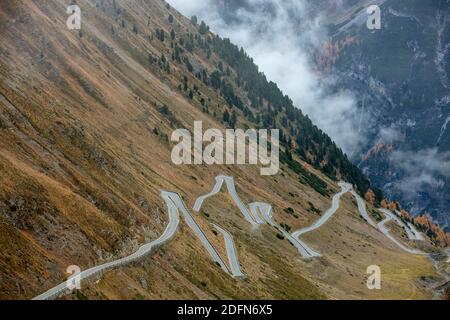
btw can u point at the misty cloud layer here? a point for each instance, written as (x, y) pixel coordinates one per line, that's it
(279, 45)
(281, 35)
(422, 170)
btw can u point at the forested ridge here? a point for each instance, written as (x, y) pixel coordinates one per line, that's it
(268, 107)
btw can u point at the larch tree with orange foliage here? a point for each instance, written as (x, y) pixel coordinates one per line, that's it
(439, 236)
(370, 196)
(405, 215)
(392, 206)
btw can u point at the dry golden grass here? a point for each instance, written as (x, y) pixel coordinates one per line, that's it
(81, 169)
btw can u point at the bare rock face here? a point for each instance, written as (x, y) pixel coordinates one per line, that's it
(144, 283)
(85, 121)
(399, 78)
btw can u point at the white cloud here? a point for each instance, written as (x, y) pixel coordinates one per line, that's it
(390, 135)
(422, 169)
(279, 46)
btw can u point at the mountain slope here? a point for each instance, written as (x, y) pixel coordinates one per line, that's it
(85, 121)
(400, 76)
(396, 78)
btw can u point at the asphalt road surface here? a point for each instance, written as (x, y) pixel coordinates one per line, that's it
(174, 220)
(231, 252)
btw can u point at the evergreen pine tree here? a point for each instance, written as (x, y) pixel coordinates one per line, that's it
(226, 116)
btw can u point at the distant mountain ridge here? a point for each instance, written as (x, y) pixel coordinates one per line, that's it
(399, 76)
(86, 118)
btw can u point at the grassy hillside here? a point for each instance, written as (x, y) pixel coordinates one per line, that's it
(85, 121)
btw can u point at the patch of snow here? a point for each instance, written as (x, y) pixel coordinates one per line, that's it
(443, 129)
(444, 101)
(441, 49)
(411, 123)
(403, 15)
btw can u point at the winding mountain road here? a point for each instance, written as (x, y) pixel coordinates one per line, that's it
(382, 227)
(258, 214)
(231, 252)
(174, 220)
(345, 187)
(265, 210)
(412, 232)
(418, 236)
(178, 204)
(229, 181)
(411, 235)
(362, 208)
